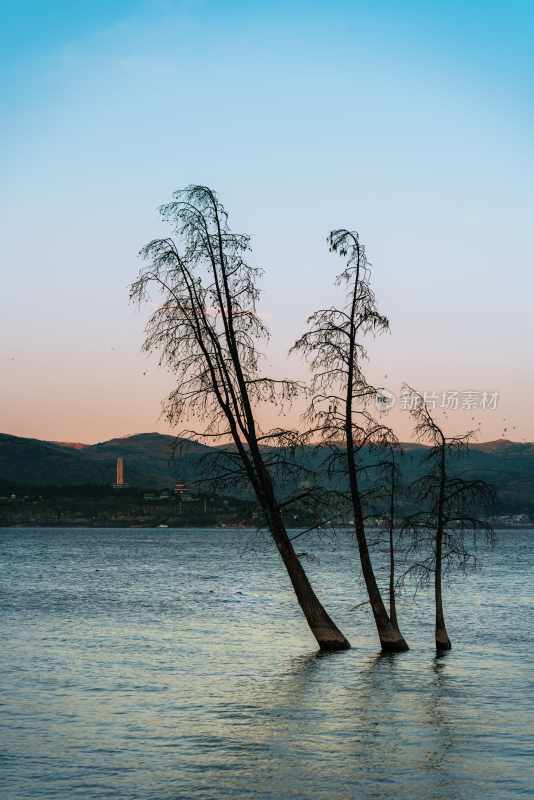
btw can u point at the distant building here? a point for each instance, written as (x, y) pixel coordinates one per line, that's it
(120, 482)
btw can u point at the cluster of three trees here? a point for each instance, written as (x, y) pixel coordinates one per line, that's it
(207, 331)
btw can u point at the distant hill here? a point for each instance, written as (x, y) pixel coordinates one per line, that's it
(154, 460)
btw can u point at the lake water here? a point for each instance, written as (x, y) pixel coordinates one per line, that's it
(174, 664)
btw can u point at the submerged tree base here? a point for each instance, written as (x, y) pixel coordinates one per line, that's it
(334, 646)
(442, 638)
(330, 641)
(391, 639)
(394, 645)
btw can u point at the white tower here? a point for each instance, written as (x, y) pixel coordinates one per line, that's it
(120, 483)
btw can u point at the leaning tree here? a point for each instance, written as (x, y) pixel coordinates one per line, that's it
(206, 329)
(449, 509)
(339, 410)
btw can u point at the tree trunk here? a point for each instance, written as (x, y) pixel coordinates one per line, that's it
(389, 634)
(327, 634)
(392, 600)
(391, 639)
(442, 639)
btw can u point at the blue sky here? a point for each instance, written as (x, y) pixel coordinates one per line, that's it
(411, 122)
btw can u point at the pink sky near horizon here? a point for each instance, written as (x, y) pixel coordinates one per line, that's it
(125, 397)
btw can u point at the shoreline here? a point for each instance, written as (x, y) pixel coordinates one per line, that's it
(54, 526)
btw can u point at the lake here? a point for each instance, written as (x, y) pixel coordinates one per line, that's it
(175, 664)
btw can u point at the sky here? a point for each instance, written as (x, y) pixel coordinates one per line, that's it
(411, 122)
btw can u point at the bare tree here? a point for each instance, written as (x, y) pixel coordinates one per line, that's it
(207, 331)
(339, 411)
(450, 509)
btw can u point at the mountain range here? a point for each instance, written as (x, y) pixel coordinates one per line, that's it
(155, 460)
